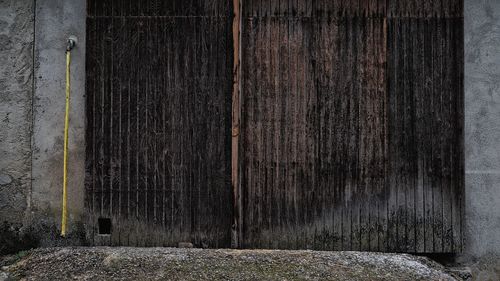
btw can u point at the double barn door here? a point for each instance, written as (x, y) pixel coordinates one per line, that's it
(292, 124)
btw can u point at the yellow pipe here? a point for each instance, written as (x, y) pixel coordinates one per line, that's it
(66, 128)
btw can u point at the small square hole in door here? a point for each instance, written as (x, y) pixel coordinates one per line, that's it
(104, 226)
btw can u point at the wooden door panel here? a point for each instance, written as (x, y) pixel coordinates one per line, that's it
(158, 107)
(314, 132)
(352, 119)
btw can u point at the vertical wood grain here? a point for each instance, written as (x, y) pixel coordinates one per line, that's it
(359, 108)
(159, 144)
(425, 85)
(292, 124)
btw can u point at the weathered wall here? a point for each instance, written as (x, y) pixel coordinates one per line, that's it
(16, 84)
(55, 21)
(482, 137)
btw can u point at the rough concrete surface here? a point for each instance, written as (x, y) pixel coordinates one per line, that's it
(16, 89)
(482, 135)
(55, 21)
(197, 264)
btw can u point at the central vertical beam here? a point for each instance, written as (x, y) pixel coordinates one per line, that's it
(235, 130)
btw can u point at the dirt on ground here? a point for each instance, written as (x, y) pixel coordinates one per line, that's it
(122, 263)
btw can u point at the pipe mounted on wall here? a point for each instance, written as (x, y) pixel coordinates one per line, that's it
(71, 43)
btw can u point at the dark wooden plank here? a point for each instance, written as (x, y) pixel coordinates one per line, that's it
(392, 85)
(270, 103)
(114, 125)
(295, 79)
(381, 178)
(258, 70)
(226, 62)
(447, 129)
(368, 115)
(426, 146)
(285, 116)
(374, 102)
(91, 10)
(418, 72)
(323, 191)
(352, 148)
(247, 187)
(436, 113)
(141, 125)
(159, 140)
(106, 111)
(134, 124)
(338, 132)
(91, 132)
(307, 143)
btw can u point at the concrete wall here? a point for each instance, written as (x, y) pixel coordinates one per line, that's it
(55, 20)
(482, 137)
(16, 90)
(32, 79)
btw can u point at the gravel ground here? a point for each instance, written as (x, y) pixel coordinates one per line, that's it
(105, 263)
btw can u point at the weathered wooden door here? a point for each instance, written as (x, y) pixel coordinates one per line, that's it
(343, 129)
(158, 121)
(352, 125)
